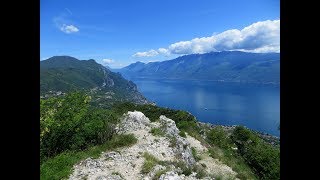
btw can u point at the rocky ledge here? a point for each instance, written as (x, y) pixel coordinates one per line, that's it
(169, 148)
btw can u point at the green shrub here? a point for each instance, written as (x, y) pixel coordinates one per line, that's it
(263, 158)
(183, 166)
(69, 123)
(194, 154)
(173, 142)
(60, 166)
(230, 158)
(217, 136)
(149, 163)
(182, 133)
(157, 132)
(199, 169)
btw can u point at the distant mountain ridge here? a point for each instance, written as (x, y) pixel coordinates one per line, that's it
(234, 66)
(62, 74)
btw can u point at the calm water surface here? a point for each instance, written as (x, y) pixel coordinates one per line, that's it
(254, 106)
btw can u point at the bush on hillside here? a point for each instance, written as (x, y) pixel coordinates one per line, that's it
(69, 123)
(260, 156)
(218, 137)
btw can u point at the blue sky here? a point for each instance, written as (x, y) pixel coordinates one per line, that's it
(119, 32)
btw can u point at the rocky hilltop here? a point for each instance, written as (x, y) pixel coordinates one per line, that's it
(160, 153)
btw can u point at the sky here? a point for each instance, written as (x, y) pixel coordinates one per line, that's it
(117, 33)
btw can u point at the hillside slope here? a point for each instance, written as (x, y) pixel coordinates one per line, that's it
(62, 74)
(163, 157)
(232, 66)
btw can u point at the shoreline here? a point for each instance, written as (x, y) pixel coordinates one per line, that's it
(271, 139)
(212, 80)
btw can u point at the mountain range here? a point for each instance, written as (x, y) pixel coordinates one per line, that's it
(233, 66)
(62, 74)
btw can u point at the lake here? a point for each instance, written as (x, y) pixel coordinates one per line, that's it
(225, 103)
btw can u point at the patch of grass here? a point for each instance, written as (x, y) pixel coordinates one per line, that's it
(149, 163)
(201, 173)
(182, 133)
(194, 154)
(234, 161)
(183, 166)
(157, 132)
(218, 177)
(223, 177)
(60, 166)
(173, 142)
(159, 173)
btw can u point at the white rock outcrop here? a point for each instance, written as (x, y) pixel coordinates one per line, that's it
(182, 148)
(126, 163)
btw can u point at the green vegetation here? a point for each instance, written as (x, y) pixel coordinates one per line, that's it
(221, 145)
(157, 132)
(67, 74)
(244, 151)
(199, 169)
(233, 160)
(70, 123)
(149, 163)
(186, 170)
(263, 158)
(185, 121)
(173, 141)
(71, 129)
(182, 133)
(218, 137)
(222, 148)
(64, 73)
(60, 166)
(159, 173)
(195, 154)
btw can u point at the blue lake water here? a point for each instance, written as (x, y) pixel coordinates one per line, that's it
(254, 106)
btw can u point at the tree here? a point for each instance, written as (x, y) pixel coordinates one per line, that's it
(70, 123)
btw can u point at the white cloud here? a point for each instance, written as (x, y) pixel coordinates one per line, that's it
(263, 36)
(113, 63)
(108, 61)
(69, 29)
(44, 58)
(152, 61)
(146, 54)
(163, 51)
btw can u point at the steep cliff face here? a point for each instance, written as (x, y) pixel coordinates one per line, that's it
(164, 155)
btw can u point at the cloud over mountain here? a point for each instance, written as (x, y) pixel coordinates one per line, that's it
(262, 36)
(150, 53)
